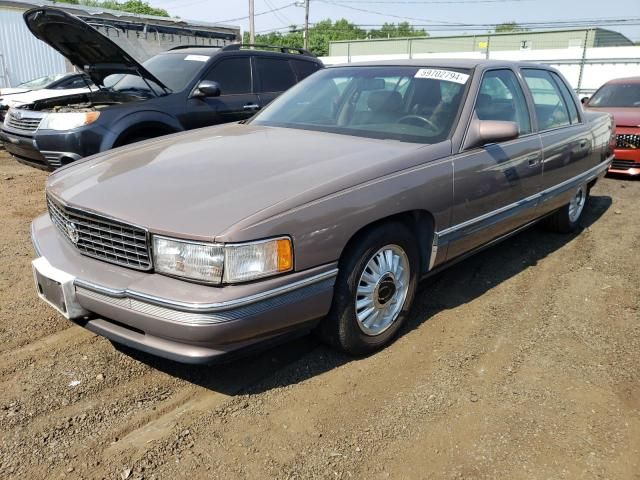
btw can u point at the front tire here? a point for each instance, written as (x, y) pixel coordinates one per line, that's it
(374, 290)
(567, 219)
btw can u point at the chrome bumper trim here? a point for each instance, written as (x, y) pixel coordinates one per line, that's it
(203, 307)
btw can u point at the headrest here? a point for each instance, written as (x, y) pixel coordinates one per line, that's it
(385, 101)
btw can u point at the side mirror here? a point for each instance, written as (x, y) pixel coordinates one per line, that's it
(584, 100)
(206, 88)
(483, 132)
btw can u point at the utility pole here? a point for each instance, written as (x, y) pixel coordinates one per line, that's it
(306, 24)
(252, 25)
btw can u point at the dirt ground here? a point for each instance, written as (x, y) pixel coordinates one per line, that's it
(521, 362)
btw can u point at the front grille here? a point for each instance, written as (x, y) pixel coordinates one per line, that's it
(27, 124)
(624, 164)
(102, 238)
(628, 140)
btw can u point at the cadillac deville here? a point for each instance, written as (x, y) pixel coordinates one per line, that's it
(322, 212)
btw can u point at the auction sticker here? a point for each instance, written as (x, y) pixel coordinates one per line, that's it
(446, 75)
(196, 58)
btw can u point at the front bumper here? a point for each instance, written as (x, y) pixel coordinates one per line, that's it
(46, 152)
(182, 321)
(626, 161)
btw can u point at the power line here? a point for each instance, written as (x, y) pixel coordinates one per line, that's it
(427, 2)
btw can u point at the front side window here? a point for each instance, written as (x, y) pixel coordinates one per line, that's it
(409, 104)
(551, 108)
(233, 75)
(304, 68)
(617, 95)
(501, 98)
(275, 74)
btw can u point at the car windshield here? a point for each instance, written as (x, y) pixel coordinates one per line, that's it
(409, 104)
(41, 82)
(175, 70)
(617, 95)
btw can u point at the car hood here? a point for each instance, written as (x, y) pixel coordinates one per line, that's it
(12, 91)
(624, 117)
(200, 183)
(85, 47)
(34, 95)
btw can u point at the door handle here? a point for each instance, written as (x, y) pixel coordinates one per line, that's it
(533, 160)
(251, 106)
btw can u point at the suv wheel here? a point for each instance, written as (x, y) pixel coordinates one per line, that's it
(374, 290)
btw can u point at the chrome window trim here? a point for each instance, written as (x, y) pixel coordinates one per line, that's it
(205, 307)
(583, 177)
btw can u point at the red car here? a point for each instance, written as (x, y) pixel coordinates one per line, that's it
(621, 98)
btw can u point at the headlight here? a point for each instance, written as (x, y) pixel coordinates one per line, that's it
(68, 120)
(215, 263)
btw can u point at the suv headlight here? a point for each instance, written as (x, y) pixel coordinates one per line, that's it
(216, 263)
(67, 120)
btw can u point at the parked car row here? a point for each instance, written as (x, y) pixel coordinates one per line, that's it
(182, 89)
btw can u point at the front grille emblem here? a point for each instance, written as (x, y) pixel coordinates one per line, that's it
(72, 232)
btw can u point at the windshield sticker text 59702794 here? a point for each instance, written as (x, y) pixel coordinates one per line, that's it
(446, 75)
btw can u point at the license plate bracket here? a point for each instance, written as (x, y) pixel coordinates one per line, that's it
(57, 289)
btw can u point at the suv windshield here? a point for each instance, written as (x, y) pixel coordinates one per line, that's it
(617, 95)
(409, 104)
(175, 70)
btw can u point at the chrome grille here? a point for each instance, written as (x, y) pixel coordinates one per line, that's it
(22, 123)
(628, 140)
(624, 164)
(102, 238)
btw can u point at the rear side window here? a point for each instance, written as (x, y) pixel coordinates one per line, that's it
(501, 98)
(566, 93)
(551, 108)
(233, 75)
(275, 74)
(304, 69)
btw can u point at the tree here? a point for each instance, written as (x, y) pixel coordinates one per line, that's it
(326, 31)
(510, 27)
(138, 7)
(403, 29)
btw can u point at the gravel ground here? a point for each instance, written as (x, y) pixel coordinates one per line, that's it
(521, 362)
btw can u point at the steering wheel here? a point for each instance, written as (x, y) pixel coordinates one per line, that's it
(407, 119)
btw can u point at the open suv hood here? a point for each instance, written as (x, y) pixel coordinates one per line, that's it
(85, 47)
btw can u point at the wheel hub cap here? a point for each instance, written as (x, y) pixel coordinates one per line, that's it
(382, 290)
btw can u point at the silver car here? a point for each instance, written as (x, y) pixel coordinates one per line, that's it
(322, 212)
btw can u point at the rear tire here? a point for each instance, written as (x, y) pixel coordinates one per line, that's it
(567, 219)
(374, 290)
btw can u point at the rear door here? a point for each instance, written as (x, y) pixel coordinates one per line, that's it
(566, 140)
(237, 100)
(492, 183)
(274, 76)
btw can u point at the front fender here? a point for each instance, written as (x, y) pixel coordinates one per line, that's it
(123, 124)
(322, 228)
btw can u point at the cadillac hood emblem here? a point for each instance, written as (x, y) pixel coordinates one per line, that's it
(72, 232)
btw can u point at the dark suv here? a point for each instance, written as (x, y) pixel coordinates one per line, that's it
(185, 88)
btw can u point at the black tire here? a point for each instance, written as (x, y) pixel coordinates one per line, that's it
(562, 221)
(341, 328)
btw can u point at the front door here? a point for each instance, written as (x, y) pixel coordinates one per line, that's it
(236, 101)
(493, 183)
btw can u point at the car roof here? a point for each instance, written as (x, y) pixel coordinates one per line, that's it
(624, 80)
(211, 51)
(466, 63)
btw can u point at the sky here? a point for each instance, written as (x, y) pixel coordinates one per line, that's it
(440, 12)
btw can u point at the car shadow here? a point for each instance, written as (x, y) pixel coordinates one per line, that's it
(297, 360)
